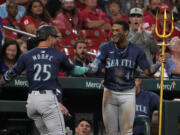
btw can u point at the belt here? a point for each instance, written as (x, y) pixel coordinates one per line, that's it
(42, 91)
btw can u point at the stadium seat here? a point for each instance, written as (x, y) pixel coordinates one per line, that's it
(67, 33)
(93, 37)
(68, 38)
(93, 43)
(92, 34)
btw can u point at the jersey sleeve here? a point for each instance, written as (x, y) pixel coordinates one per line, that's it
(66, 64)
(100, 59)
(101, 55)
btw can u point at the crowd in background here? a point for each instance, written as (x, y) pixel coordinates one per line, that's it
(88, 21)
(84, 24)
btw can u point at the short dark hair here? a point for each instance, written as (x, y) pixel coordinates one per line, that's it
(79, 41)
(123, 23)
(84, 119)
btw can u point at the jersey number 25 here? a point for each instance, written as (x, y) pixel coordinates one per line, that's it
(40, 70)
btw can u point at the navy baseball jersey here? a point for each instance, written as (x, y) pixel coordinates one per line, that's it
(170, 65)
(42, 66)
(146, 103)
(120, 64)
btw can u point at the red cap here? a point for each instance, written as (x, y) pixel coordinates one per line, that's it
(163, 7)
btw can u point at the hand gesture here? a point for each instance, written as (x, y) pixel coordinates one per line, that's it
(140, 29)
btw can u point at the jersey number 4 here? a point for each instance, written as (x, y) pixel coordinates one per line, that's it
(42, 70)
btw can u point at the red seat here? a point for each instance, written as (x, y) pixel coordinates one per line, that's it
(97, 33)
(67, 33)
(93, 43)
(67, 41)
(94, 38)
(68, 38)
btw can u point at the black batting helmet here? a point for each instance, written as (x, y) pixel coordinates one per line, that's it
(44, 31)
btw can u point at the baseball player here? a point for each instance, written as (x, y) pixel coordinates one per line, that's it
(42, 65)
(146, 103)
(120, 58)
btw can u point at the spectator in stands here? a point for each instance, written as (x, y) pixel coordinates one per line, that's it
(146, 103)
(22, 45)
(36, 15)
(93, 19)
(80, 50)
(127, 5)
(4, 14)
(1, 31)
(83, 127)
(69, 16)
(81, 59)
(176, 31)
(139, 36)
(114, 7)
(9, 54)
(173, 64)
(11, 21)
(150, 15)
(53, 6)
(176, 11)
